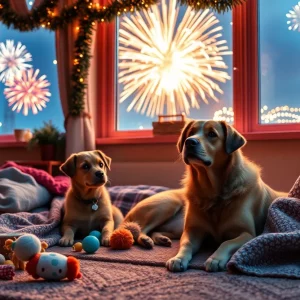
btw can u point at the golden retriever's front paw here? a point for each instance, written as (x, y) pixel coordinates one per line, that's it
(105, 241)
(66, 241)
(177, 264)
(215, 264)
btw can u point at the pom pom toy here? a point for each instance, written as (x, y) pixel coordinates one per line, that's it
(90, 244)
(96, 233)
(121, 239)
(77, 247)
(47, 265)
(125, 236)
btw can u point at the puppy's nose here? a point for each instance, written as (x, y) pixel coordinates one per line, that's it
(99, 174)
(191, 142)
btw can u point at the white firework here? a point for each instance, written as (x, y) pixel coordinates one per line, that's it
(166, 67)
(27, 91)
(13, 59)
(294, 15)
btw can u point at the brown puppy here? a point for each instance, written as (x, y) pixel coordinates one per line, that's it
(224, 193)
(87, 205)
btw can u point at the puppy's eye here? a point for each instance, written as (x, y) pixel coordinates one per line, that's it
(101, 165)
(212, 134)
(85, 166)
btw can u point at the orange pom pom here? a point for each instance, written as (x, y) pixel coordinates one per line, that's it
(121, 239)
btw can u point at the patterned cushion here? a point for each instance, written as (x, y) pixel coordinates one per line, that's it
(125, 197)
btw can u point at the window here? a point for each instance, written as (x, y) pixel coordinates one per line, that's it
(154, 69)
(263, 68)
(39, 54)
(279, 48)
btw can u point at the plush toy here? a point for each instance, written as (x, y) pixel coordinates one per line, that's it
(2, 259)
(90, 244)
(125, 236)
(47, 265)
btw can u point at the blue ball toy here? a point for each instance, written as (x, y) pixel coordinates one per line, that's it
(96, 233)
(90, 244)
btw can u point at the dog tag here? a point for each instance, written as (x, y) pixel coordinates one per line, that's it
(94, 206)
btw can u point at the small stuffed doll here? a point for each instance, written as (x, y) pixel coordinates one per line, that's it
(53, 266)
(47, 265)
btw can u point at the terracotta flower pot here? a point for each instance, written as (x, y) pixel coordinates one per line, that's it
(48, 152)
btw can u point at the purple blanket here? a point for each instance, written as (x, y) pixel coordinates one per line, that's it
(44, 222)
(275, 253)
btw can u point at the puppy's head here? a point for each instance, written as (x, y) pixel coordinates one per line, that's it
(87, 168)
(208, 143)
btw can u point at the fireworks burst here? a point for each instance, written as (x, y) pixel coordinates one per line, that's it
(294, 15)
(13, 60)
(164, 65)
(27, 90)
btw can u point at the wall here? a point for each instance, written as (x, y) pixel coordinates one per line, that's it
(158, 164)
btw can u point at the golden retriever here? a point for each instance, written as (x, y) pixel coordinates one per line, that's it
(223, 197)
(87, 205)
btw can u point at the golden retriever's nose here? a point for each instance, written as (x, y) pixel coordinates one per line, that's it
(191, 142)
(99, 174)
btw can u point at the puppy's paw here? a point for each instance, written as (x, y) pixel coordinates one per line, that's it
(145, 241)
(105, 241)
(66, 241)
(162, 241)
(214, 264)
(177, 264)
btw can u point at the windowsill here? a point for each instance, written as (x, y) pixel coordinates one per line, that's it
(12, 144)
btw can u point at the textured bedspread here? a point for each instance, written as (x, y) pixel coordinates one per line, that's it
(276, 252)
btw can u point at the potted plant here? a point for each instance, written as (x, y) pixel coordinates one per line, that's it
(47, 137)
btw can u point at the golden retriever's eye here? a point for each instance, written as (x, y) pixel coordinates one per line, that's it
(85, 166)
(212, 134)
(101, 165)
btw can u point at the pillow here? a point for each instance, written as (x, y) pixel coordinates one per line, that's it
(20, 192)
(125, 197)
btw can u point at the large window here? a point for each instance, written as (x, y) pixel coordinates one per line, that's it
(279, 48)
(173, 64)
(28, 80)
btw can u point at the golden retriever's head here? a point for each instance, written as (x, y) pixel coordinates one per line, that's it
(87, 168)
(208, 143)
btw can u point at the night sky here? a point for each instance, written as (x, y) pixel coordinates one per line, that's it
(279, 53)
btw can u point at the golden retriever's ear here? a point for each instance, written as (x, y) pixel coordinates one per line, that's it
(233, 139)
(69, 166)
(106, 159)
(184, 136)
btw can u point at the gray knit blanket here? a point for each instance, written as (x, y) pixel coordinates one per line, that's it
(275, 253)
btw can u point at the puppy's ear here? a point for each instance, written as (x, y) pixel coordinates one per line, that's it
(69, 166)
(106, 159)
(184, 134)
(233, 139)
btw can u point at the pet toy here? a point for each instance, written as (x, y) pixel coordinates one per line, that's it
(125, 236)
(7, 272)
(90, 244)
(96, 233)
(2, 259)
(47, 265)
(77, 247)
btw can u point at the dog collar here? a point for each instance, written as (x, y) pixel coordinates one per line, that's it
(93, 201)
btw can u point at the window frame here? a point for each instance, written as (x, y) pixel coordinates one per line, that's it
(245, 85)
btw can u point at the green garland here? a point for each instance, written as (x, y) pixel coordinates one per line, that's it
(87, 13)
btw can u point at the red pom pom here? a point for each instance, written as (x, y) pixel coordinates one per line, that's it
(121, 239)
(73, 271)
(31, 266)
